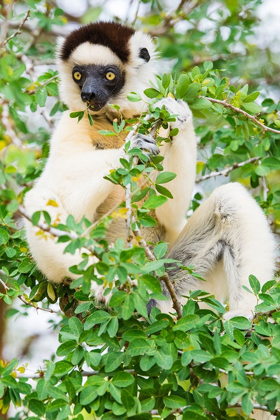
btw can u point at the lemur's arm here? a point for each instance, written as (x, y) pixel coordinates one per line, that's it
(75, 170)
(180, 158)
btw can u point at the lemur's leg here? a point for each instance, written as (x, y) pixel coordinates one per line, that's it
(48, 254)
(180, 158)
(227, 239)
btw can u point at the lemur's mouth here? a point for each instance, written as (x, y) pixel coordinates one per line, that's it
(95, 106)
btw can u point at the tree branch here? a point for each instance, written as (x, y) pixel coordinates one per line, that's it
(226, 171)
(165, 278)
(255, 407)
(171, 19)
(18, 31)
(28, 303)
(240, 111)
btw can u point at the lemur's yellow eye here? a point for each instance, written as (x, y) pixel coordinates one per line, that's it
(110, 75)
(77, 75)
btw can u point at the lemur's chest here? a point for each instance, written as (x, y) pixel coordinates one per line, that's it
(101, 138)
(117, 228)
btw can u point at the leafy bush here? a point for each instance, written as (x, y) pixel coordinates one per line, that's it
(118, 362)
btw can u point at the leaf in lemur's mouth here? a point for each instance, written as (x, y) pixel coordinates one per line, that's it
(94, 106)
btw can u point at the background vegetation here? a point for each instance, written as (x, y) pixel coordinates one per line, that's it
(109, 363)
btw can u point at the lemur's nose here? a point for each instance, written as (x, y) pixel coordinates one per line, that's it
(87, 96)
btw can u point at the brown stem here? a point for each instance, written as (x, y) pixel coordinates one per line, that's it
(226, 171)
(18, 31)
(240, 111)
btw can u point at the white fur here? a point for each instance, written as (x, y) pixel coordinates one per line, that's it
(73, 177)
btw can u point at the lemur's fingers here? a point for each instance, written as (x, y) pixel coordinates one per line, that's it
(179, 108)
(146, 143)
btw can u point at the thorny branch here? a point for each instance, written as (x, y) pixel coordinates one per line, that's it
(226, 171)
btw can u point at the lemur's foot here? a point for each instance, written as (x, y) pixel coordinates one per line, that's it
(146, 143)
(179, 108)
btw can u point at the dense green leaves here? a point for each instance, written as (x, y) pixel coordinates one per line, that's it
(115, 361)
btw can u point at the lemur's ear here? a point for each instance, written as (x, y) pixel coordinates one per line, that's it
(144, 53)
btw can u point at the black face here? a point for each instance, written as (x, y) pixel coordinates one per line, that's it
(98, 84)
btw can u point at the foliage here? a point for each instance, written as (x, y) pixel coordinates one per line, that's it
(119, 362)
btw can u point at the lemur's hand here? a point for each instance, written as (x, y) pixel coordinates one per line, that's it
(179, 108)
(146, 143)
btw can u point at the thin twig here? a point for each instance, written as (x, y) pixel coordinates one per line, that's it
(6, 121)
(128, 190)
(240, 111)
(255, 407)
(28, 303)
(165, 278)
(172, 18)
(18, 31)
(226, 171)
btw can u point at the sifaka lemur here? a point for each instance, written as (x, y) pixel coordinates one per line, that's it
(226, 239)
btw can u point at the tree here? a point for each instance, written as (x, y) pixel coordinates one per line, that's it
(110, 362)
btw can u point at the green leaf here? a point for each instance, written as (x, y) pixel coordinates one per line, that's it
(37, 407)
(163, 360)
(25, 266)
(51, 292)
(113, 326)
(134, 97)
(146, 362)
(88, 395)
(272, 162)
(127, 307)
(4, 236)
(151, 93)
(255, 284)
(182, 86)
(240, 322)
(140, 305)
(201, 104)
(91, 121)
(154, 201)
(114, 360)
(252, 97)
(160, 250)
(152, 283)
(41, 96)
(93, 358)
(138, 347)
(117, 299)
(65, 348)
(165, 177)
(247, 405)
(123, 379)
(186, 323)
(61, 368)
(97, 317)
(78, 114)
(262, 170)
(251, 107)
(192, 91)
(208, 65)
(76, 326)
(164, 191)
(10, 252)
(174, 401)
